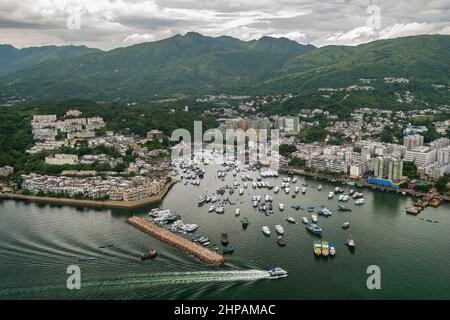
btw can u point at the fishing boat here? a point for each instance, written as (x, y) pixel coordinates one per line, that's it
(281, 242)
(290, 220)
(360, 201)
(150, 254)
(346, 225)
(314, 218)
(277, 272)
(224, 238)
(244, 223)
(281, 206)
(238, 212)
(325, 248)
(317, 248)
(331, 195)
(313, 228)
(266, 230)
(279, 229)
(305, 220)
(229, 249)
(332, 249)
(343, 208)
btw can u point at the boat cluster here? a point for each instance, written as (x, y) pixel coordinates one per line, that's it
(176, 225)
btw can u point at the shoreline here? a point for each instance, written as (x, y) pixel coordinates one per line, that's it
(361, 183)
(92, 203)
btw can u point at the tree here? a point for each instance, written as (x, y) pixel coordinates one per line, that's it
(441, 184)
(287, 149)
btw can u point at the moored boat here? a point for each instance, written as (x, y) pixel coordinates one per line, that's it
(238, 212)
(346, 225)
(330, 195)
(332, 249)
(360, 201)
(266, 230)
(281, 242)
(314, 218)
(317, 248)
(343, 208)
(350, 243)
(281, 206)
(229, 249)
(244, 223)
(290, 220)
(325, 249)
(224, 238)
(305, 220)
(279, 229)
(313, 228)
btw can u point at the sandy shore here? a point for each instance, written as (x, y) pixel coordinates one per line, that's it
(198, 251)
(92, 203)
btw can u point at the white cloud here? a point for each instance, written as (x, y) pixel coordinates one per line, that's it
(138, 38)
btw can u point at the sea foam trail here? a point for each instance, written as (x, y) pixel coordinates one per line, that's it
(155, 279)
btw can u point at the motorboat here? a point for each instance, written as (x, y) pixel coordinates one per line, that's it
(238, 212)
(220, 209)
(276, 189)
(319, 187)
(281, 242)
(332, 249)
(279, 229)
(346, 225)
(241, 191)
(305, 220)
(277, 272)
(343, 208)
(211, 208)
(314, 218)
(313, 228)
(150, 254)
(290, 220)
(286, 190)
(360, 201)
(303, 190)
(331, 195)
(350, 242)
(325, 212)
(244, 223)
(224, 238)
(297, 189)
(281, 206)
(266, 230)
(229, 249)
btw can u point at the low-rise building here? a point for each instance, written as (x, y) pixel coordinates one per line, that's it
(62, 159)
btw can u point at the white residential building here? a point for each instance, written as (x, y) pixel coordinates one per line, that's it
(421, 156)
(62, 159)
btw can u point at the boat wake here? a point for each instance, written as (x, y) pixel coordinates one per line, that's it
(149, 280)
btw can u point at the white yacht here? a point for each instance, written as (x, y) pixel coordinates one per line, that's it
(287, 190)
(303, 190)
(297, 189)
(279, 229)
(360, 201)
(276, 189)
(314, 218)
(277, 272)
(211, 208)
(305, 220)
(331, 195)
(281, 206)
(241, 191)
(319, 187)
(238, 212)
(266, 230)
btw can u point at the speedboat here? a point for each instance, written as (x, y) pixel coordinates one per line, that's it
(266, 230)
(314, 218)
(317, 247)
(325, 249)
(305, 220)
(313, 228)
(277, 272)
(281, 206)
(290, 220)
(360, 201)
(330, 195)
(346, 225)
(279, 229)
(238, 212)
(332, 249)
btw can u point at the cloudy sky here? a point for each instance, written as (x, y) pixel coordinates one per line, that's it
(108, 24)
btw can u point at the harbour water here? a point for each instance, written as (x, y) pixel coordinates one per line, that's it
(39, 241)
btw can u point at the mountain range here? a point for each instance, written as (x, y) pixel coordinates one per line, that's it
(193, 64)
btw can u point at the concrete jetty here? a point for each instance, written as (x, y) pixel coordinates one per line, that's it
(202, 253)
